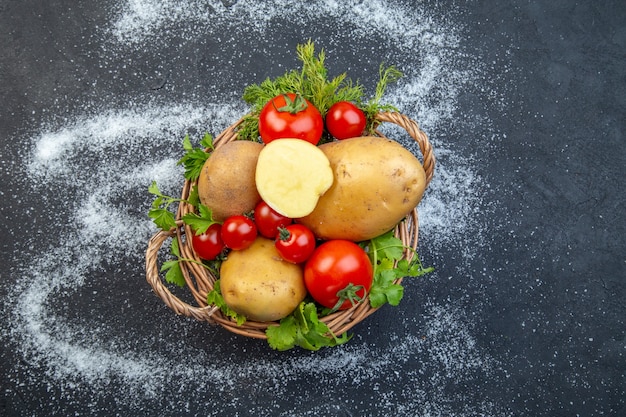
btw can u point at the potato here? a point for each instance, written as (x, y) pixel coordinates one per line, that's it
(377, 182)
(259, 284)
(226, 184)
(291, 175)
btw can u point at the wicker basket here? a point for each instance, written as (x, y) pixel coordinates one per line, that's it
(200, 281)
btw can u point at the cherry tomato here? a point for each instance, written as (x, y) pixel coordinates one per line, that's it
(290, 116)
(238, 232)
(208, 244)
(295, 243)
(338, 274)
(268, 220)
(345, 120)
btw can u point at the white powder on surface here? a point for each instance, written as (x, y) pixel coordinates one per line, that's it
(102, 160)
(141, 21)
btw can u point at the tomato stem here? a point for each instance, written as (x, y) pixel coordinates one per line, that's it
(284, 234)
(294, 106)
(349, 293)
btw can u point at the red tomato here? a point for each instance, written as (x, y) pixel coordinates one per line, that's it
(345, 120)
(334, 266)
(268, 220)
(208, 244)
(295, 243)
(290, 116)
(238, 232)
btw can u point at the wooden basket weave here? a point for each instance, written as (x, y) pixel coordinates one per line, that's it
(200, 281)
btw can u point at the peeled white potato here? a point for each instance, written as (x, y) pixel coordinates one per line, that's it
(291, 175)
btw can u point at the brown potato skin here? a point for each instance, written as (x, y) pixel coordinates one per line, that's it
(377, 182)
(226, 183)
(259, 284)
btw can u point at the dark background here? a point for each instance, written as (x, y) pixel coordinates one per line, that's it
(525, 314)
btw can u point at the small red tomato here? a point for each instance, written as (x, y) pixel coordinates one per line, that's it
(238, 232)
(208, 244)
(290, 116)
(268, 220)
(295, 243)
(345, 120)
(338, 274)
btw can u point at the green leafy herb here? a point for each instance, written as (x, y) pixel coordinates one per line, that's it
(174, 274)
(165, 219)
(194, 158)
(312, 82)
(386, 246)
(303, 328)
(386, 252)
(194, 198)
(193, 161)
(200, 222)
(159, 212)
(215, 298)
(387, 75)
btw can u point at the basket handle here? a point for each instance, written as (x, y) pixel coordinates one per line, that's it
(153, 278)
(417, 134)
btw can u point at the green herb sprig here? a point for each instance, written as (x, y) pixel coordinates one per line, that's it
(159, 211)
(194, 158)
(304, 329)
(386, 253)
(201, 221)
(312, 82)
(215, 298)
(165, 219)
(174, 274)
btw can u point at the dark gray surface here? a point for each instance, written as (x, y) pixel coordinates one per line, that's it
(525, 314)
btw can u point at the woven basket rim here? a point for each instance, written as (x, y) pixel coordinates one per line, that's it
(200, 281)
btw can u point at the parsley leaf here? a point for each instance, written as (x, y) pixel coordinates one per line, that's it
(282, 337)
(163, 218)
(384, 290)
(215, 298)
(194, 158)
(200, 223)
(386, 252)
(388, 246)
(194, 197)
(159, 213)
(207, 142)
(304, 329)
(174, 274)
